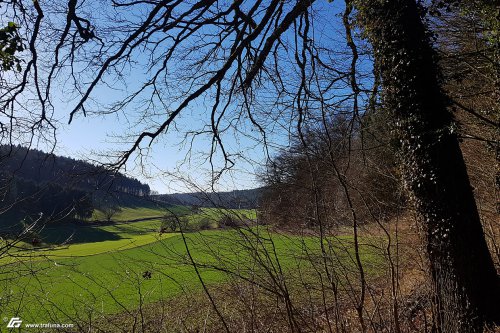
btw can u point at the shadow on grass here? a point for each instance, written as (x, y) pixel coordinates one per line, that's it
(73, 234)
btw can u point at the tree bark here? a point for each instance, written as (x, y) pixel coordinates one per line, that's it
(466, 284)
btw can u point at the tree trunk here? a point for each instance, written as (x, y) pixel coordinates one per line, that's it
(466, 283)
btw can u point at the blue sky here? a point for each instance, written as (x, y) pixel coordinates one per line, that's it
(171, 164)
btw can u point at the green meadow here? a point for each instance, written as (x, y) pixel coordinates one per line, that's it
(103, 269)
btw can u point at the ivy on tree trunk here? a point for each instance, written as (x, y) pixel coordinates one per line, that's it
(465, 280)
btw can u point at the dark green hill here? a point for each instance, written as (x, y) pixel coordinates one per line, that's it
(238, 199)
(38, 186)
(41, 168)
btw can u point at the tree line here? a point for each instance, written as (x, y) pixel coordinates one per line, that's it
(302, 187)
(35, 184)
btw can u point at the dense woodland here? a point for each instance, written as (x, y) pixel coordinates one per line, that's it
(303, 189)
(37, 184)
(238, 199)
(41, 167)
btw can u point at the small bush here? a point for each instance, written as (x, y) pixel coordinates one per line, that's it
(110, 211)
(204, 224)
(230, 221)
(172, 223)
(168, 222)
(183, 223)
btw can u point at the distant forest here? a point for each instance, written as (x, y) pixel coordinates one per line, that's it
(238, 199)
(42, 185)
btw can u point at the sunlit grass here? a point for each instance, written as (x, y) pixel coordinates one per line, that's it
(103, 272)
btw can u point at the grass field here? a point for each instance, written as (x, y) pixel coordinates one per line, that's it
(133, 213)
(88, 238)
(102, 275)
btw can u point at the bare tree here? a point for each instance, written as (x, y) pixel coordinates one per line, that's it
(264, 62)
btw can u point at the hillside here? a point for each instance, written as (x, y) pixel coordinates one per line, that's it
(237, 199)
(42, 168)
(37, 185)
